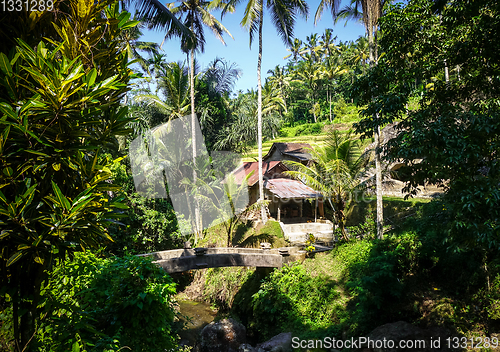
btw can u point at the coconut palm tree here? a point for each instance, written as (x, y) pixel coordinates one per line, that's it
(336, 172)
(312, 47)
(130, 40)
(327, 43)
(330, 70)
(196, 15)
(371, 10)
(280, 81)
(283, 14)
(310, 74)
(173, 81)
(295, 50)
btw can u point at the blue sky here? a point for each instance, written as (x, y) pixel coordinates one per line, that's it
(238, 50)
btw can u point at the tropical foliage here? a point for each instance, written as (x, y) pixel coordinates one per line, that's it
(95, 304)
(60, 109)
(336, 172)
(451, 139)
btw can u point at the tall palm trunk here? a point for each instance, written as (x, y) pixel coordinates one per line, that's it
(378, 166)
(259, 116)
(329, 101)
(197, 217)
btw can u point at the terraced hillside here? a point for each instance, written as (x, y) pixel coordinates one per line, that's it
(313, 139)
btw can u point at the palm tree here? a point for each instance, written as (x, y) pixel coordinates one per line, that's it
(309, 73)
(280, 81)
(242, 131)
(295, 49)
(130, 39)
(312, 47)
(196, 16)
(283, 14)
(329, 71)
(327, 43)
(336, 172)
(174, 83)
(362, 52)
(222, 75)
(370, 14)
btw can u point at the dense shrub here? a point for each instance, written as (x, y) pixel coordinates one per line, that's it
(302, 130)
(104, 304)
(222, 284)
(291, 299)
(150, 224)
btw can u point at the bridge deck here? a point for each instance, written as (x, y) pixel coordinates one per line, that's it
(179, 260)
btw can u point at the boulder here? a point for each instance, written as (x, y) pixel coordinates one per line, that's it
(223, 336)
(387, 338)
(279, 343)
(246, 348)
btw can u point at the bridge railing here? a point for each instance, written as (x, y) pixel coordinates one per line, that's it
(179, 260)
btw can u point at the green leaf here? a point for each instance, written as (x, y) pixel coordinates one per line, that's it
(76, 207)
(8, 171)
(75, 74)
(5, 64)
(75, 347)
(6, 109)
(2, 198)
(92, 75)
(38, 240)
(28, 197)
(14, 258)
(60, 197)
(37, 153)
(108, 82)
(130, 24)
(4, 234)
(119, 205)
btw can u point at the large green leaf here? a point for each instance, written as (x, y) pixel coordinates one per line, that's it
(5, 64)
(7, 110)
(15, 257)
(62, 200)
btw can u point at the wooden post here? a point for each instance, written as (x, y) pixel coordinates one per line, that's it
(316, 209)
(279, 214)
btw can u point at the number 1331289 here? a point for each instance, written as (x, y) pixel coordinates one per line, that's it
(27, 5)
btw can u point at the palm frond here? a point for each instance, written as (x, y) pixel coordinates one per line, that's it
(332, 4)
(159, 17)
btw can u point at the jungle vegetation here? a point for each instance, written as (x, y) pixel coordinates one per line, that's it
(77, 86)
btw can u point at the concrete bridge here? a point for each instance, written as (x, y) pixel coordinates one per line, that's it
(179, 260)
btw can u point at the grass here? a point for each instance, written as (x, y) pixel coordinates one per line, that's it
(245, 235)
(302, 133)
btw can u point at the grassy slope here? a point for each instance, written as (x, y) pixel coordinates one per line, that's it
(313, 139)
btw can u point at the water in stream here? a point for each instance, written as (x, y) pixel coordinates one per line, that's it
(195, 315)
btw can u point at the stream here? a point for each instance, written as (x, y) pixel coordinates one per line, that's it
(195, 315)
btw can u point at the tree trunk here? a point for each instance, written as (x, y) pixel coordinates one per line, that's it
(378, 175)
(446, 74)
(197, 216)
(259, 117)
(378, 166)
(330, 103)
